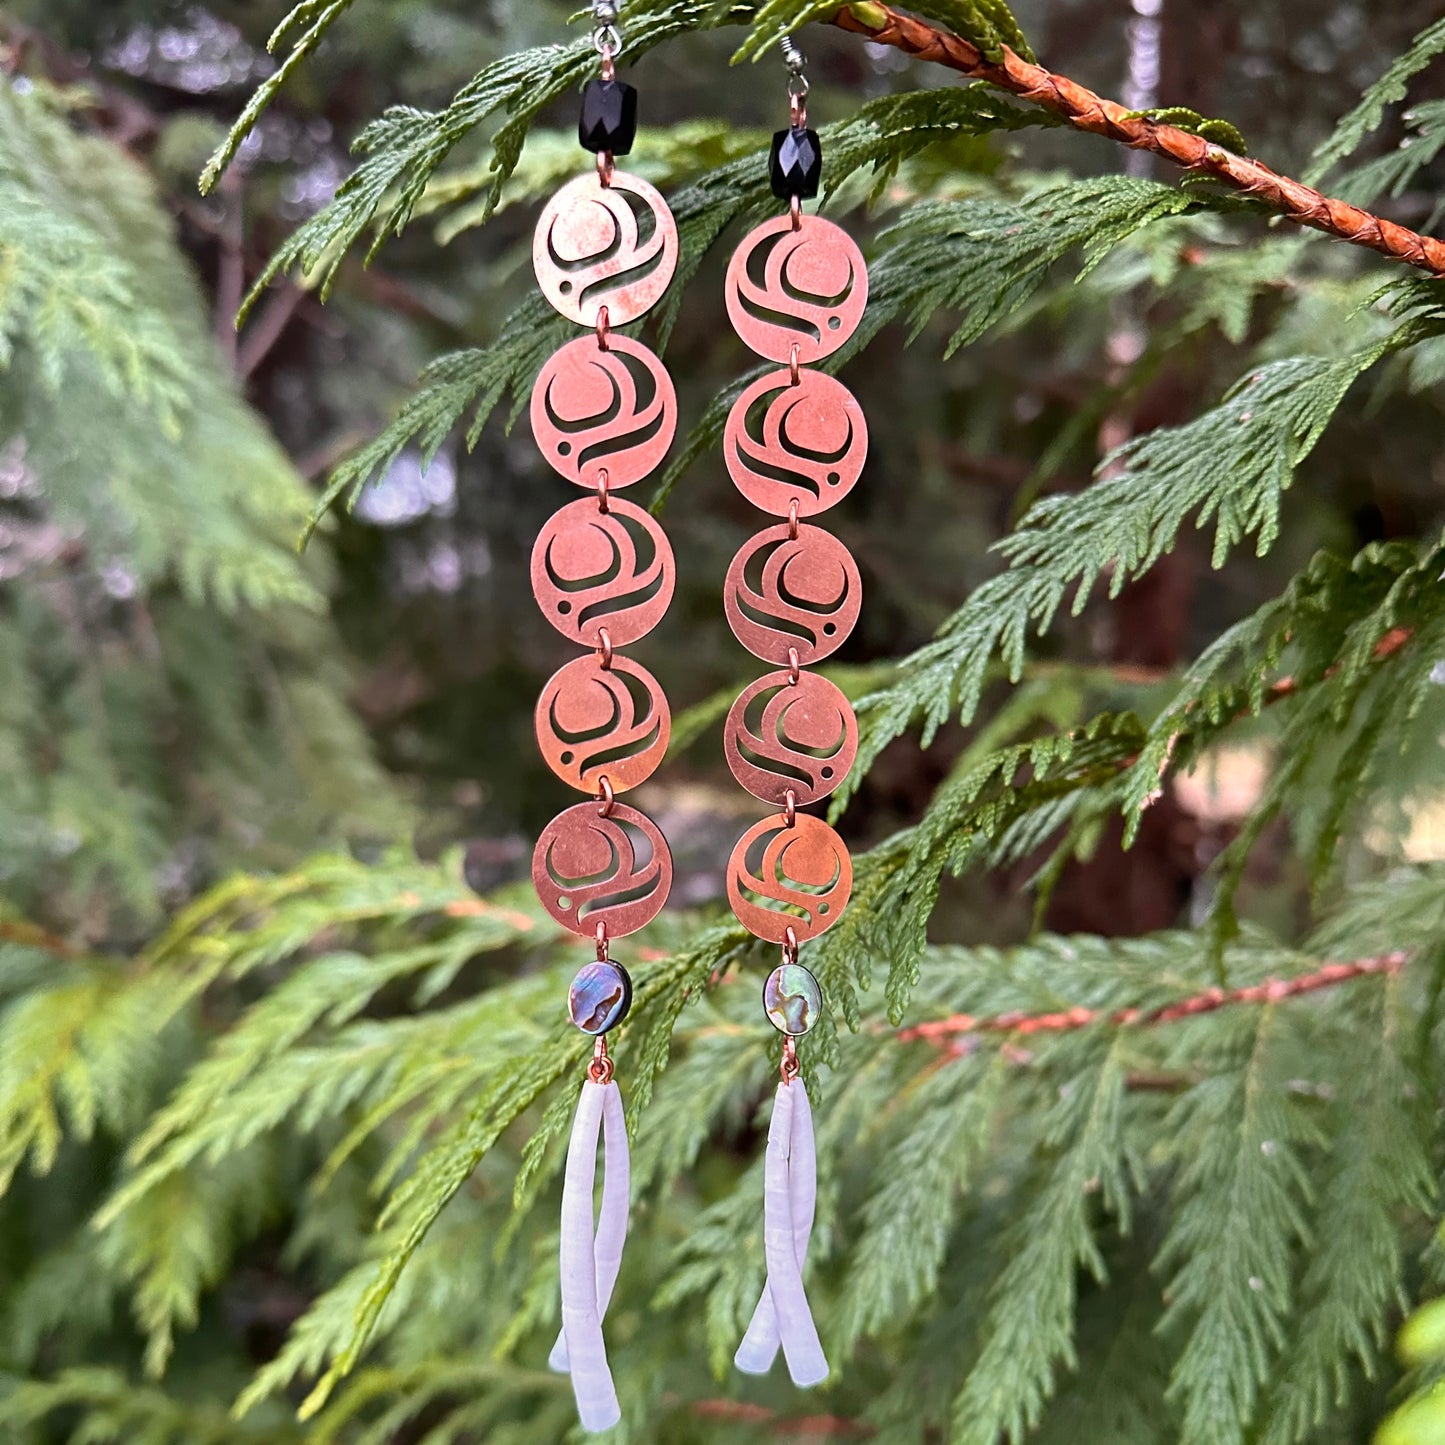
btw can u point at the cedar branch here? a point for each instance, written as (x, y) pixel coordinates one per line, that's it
(1084, 110)
(1272, 991)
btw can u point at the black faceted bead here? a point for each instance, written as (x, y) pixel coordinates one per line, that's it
(796, 164)
(609, 117)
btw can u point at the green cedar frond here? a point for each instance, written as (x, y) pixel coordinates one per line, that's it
(1239, 1214)
(1391, 87)
(1230, 466)
(1378, 1171)
(986, 258)
(313, 18)
(1028, 1331)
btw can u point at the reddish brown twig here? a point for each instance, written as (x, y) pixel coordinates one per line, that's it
(806, 1427)
(1271, 991)
(1084, 110)
(30, 935)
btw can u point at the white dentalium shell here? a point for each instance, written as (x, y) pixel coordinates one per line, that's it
(790, 1192)
(590, 1262)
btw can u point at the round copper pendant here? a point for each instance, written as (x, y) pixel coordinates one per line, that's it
(595, 722)
(593, 569)
(614, 870)
(788, 593)
(805, 288)
(800, 442)
(612, 246)
(782, 877)
(596, 412)
(799, 737)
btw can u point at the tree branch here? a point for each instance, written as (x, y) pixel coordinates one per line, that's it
(1327, 976)
(1084, 110)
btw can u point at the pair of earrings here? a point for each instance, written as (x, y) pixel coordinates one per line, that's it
(604, 413)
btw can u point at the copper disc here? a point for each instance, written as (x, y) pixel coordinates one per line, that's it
(612, 246)
(802, 442)
(596, 410)
(593, 569)
(798, 737)
(804, 287)
(595, 722)
(784, 592)
(781, 877)
(589, 869)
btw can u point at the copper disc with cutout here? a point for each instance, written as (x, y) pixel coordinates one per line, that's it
(593, 570)
(804, 287)
(800, 442)
(786, 592)
(589, 869)
(785, 736)
(596, 721)
(782, 877)
(612, 246)
(596, 411)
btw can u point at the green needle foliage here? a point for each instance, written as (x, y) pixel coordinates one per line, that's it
(1179, 1187)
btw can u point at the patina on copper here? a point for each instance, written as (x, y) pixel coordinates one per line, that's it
(594, 570)
(795, 442)
(599, 720)
(792, 590)
(614, 870)
(796, 282)
(611, 244)
(796, 737)
(789, 883)
(604, 416)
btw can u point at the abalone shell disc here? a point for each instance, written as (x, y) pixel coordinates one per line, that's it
(792, 999)
(599, 997)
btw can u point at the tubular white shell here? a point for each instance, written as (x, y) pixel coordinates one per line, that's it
(790, 1192)
(590, 1262)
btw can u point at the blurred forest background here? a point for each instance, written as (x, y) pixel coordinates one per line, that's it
(255, 803)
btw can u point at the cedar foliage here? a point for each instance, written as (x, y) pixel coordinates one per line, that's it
(1203, 1230)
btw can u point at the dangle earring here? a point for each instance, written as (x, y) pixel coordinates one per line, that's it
(603, 413)
(794, 444)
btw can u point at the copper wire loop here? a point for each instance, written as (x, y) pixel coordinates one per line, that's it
(605, 165)
(604, 646)
(793, 376)
(795, 209)
(794, 669)
(790, 945)
(793, 527)
(603, 327)
(600, 1069)
(606, 797)
(789, 1068)
(602, 945)
(790, 808)
(602, 490)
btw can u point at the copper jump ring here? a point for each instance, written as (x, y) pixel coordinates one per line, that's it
(795, 209)
(606, 797)
(790, 809)
(603, 326)
(602, 945)
(600, 1069)
(602, 492)
(789, 1069)
(794, 670)
(792, 520)
(794, 378)
(604, 649)
(605, 165)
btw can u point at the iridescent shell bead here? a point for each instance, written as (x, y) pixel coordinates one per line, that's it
(792, 999)
(599, 997)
